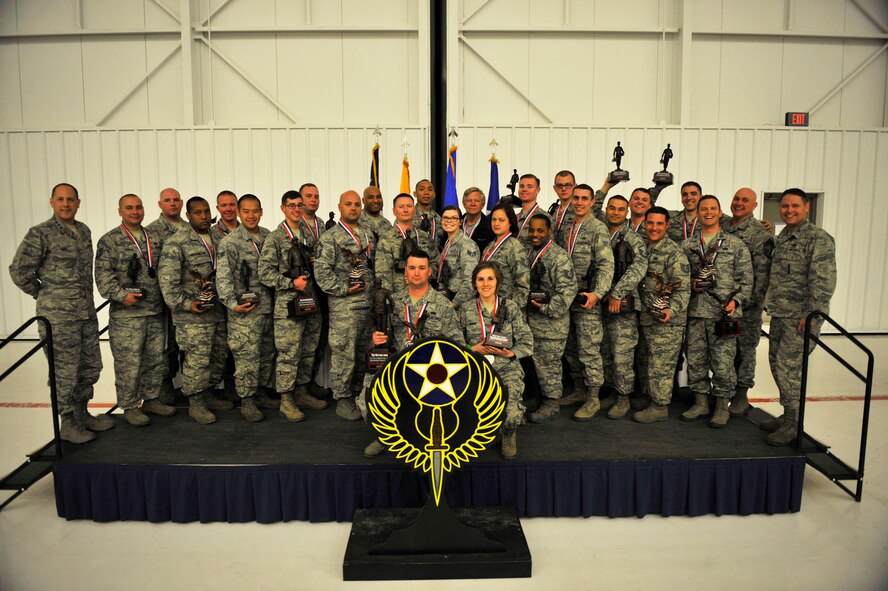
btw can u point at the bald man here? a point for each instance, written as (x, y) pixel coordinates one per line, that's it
(371, 216)
(344, 271)
(760, 243)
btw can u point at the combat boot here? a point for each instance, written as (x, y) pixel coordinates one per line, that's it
(620, 408)
(263, 400)
(345, 408)
(214, 403)
(306, 400)
(546, 412)
(197, 410)
(588, 410)
(739, 403)
(509, 446)
(88, 421)
(249, 410)
(652, 414)
(72, 432)
(289, 409)
(578, 394)
(787, 432)
(772, 424)
(720, 415)
(136, 417)
(156, 407)
(374, 449)
(700, 408)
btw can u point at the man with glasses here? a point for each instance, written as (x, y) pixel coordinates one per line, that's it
(561, 212)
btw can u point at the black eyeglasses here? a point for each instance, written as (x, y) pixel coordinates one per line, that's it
(560, 186)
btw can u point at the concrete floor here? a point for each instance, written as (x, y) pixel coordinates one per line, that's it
(833, 543)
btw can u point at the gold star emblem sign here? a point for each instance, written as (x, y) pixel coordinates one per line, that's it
(436, 374)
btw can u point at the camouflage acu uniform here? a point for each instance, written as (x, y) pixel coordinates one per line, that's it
(250, 335)
(509, 370)
(524, 225)
(201, 336)
(593, 263)
(349, 314)
(761, 247)
(561, 222)
(706, 351)
(296, 339)
(680, 229)
(378, 225)
(553, 273)
(456, 262)
(54, 264)
(135, 333)
(621, 330)
(388, 256)
(435, 230)
(312, 232)
(219, 230)
(638, 229)
(161, 229)
(803, 279)
(512, 261)
(660, 343)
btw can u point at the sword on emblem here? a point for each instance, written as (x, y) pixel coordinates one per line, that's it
(436, 448)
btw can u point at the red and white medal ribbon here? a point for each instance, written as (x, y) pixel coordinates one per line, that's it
(411, 324)
(560, 219)
(540, 254)
(572, 236)
(210, 251)
(444, 256)
(491, 250)
(485, 332)
(684, 227)
(474, 226)
(532, 211)
(365, 250)
(315, 232)
(149, 258)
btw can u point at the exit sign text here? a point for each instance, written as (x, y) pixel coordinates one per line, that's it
(796, 120)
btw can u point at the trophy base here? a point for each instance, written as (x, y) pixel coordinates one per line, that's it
(728, 328)
(377, 357)
(656, 313)
(249, 297)
(205, 306)
(618, 176)
(540, 297)
(498, 341)
(357, 282)
(627, 304)
(302, 306)
(136, 290)
(663, 178)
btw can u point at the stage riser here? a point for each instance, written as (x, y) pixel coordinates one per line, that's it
(274, 493)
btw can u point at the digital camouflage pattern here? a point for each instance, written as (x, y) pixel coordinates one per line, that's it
(524, 225)
(388, 255)
(511, 258)
(459, 256)
(378, 225)
(162, 228)
(680, 229)
(115, 254)
(219, 230)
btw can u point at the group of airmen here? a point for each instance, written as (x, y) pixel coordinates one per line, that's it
(620, 289)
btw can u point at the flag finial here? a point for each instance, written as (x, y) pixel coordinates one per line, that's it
(377, 132)
(493, 144)
(405, 144)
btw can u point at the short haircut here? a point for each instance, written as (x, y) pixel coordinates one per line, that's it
(797, 192)
(122, 197)
(225, 192)
(692, 184)
(584, 187)
(189, 205)
(416, 186)
(545, 218)
(618, 198)
(453, 208)
(304, 185)
(657, 209)
(510, 214)
(705, 197)
(471, 190)
(642, 189)
(418, 253)
(565, 173)
(72, 187)
(487, 265)
(290, 196)
(248, 197)
(399, 195)
(530, 176)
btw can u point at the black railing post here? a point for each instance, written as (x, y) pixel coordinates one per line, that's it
(53, 392)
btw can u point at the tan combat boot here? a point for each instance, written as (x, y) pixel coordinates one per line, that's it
(739, 403)
(197, 410)
(156, 407)
(306, 400)
(577, 395)
(289, 409)
(620, 408)
(652, 414)
(509, 445)
(788, 431)
(250, 411)
(547, 411)
(136, 418)
(588, 410)
(72, 432)
(345, 408)
(374, 449)
(720, 415)
(699, 410)
(94, 423)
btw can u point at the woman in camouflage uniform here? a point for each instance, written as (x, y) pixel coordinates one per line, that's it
(459, 255)
(508, 254)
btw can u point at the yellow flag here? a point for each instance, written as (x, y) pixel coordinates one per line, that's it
(405, 176)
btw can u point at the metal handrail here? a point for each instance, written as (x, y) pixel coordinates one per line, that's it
(868, 388)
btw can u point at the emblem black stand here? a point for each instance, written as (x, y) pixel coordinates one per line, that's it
(417, 410)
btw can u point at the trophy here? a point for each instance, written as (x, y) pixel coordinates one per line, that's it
(331, 221)
(248, 296)
(443, 280)
(619, 174)
(132, 273)
(425, 223)
(378, 356)
(358, 273)
(705, 277)
(726, 326)
(206, 289)
(664, 177)
(305, 303)
(663, 296)
(408, 245)
(586, 284)
(512, 199)
(623, 259)
(537, 293)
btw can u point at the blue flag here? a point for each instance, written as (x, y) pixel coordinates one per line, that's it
(450, 197)
(493, 195)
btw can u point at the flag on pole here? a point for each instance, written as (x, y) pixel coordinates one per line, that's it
(374, 166)
(450, 197)
(493, 195)
(405, 176)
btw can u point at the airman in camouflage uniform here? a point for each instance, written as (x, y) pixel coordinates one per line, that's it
(250, 328)
(296, 336)
(425, 217)
(528, 192)
(560, 211)
(459, 255)
(639, 203)
(761, 247)
(593, 261)
(731, 287)
(684, 224)
(187, 261)
(389, 263)
(660, 338)
(552, 274)
(347, 250)
(312, 230)
(371, 215)
(508, 254)
(53, 264)
(803, 279)
(127, 259)
(621, 325)
(226, 205)
(508, 319)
